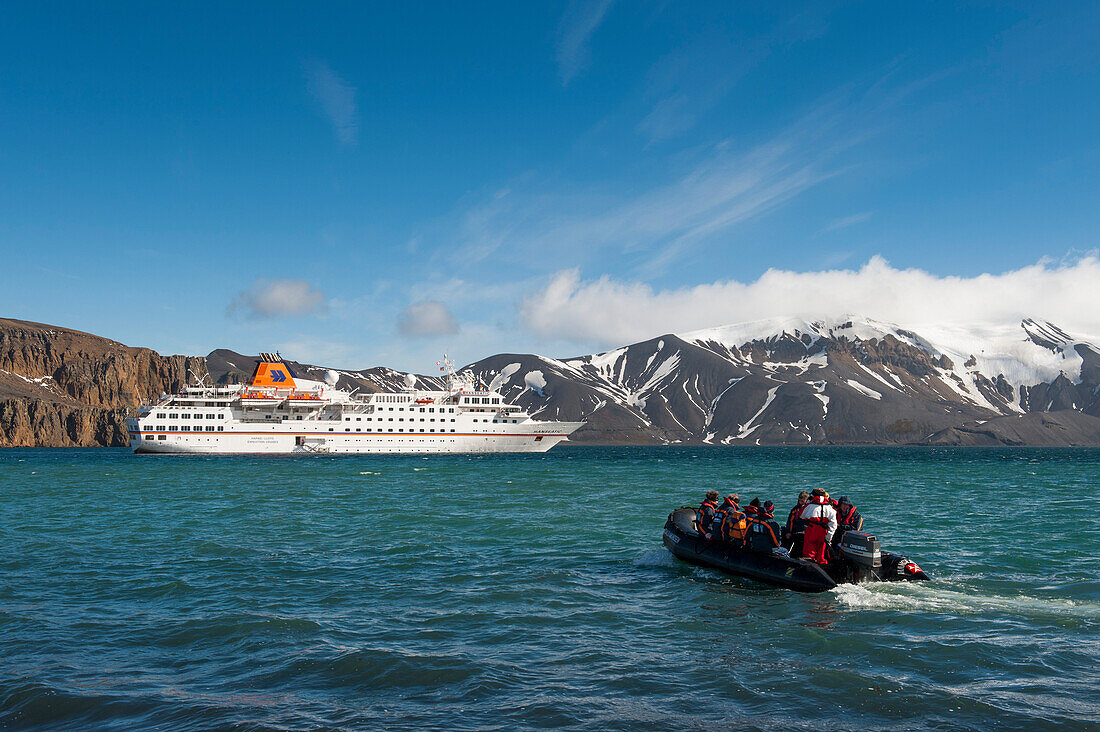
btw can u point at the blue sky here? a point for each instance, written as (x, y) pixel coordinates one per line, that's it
(368, 184)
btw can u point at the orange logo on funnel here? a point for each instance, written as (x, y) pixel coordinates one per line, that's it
(273, 374)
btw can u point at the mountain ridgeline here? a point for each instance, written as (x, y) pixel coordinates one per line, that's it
(774, 382)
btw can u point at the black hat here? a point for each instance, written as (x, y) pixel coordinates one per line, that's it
(844, 500)
(755, 502)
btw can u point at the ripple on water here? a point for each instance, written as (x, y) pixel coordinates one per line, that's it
(472, 592)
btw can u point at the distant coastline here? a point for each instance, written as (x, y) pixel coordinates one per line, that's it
(851, 382)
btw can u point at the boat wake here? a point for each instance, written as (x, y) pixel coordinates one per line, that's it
(936, 599)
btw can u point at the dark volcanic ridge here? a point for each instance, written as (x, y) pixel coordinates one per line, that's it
(847, 381)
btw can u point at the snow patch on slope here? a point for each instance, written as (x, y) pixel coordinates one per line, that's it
(536, 382)
(748, 428)
(504, 376)
(865, 391)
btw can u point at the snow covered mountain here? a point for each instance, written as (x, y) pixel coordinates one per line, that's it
(850, 380)
(782, 381)
(842, 381)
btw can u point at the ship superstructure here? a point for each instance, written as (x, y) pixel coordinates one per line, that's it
(279, 412)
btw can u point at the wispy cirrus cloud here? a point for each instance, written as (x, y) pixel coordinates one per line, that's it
(845, 221)
(684, 85)
(336, 99)
(697, 196)
(580, 21)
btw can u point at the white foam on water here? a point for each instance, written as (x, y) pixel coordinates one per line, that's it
(923, 597)
(859, 597)
(656, 558)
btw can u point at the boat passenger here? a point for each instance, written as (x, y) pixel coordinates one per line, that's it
(793, 531)
(764, 532)
(705, 514)
(752, 508)
(847, 517)
(734, 524)
(820, 518)
(729, 505)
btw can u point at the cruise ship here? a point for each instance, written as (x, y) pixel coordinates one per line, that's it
(279, 412)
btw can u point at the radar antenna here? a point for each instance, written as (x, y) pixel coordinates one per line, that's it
(447, 366)
(198, 378)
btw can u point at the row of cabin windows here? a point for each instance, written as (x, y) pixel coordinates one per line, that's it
(399, 429)
(422, 409)
(187, 415)
(174, 428)
(481, 400)
(187, 428)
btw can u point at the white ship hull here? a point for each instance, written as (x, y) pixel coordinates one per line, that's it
(288, 443)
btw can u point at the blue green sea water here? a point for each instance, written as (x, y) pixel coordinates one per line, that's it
(532, 591)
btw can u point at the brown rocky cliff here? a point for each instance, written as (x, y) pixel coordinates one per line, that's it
(65, 388)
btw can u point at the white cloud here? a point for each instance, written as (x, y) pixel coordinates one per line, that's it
(427, 318)
(577, 26)
(607, 312)
(277, 298)
(337, 100)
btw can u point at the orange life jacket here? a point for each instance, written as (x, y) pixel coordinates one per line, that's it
(734, 527)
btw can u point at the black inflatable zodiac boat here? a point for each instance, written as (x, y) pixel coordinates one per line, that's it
(857, 558)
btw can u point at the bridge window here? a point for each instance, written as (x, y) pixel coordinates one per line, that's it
(160, 416)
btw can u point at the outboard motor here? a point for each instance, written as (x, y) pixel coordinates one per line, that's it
(863, 552)
(684, 519)
(897, 567)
